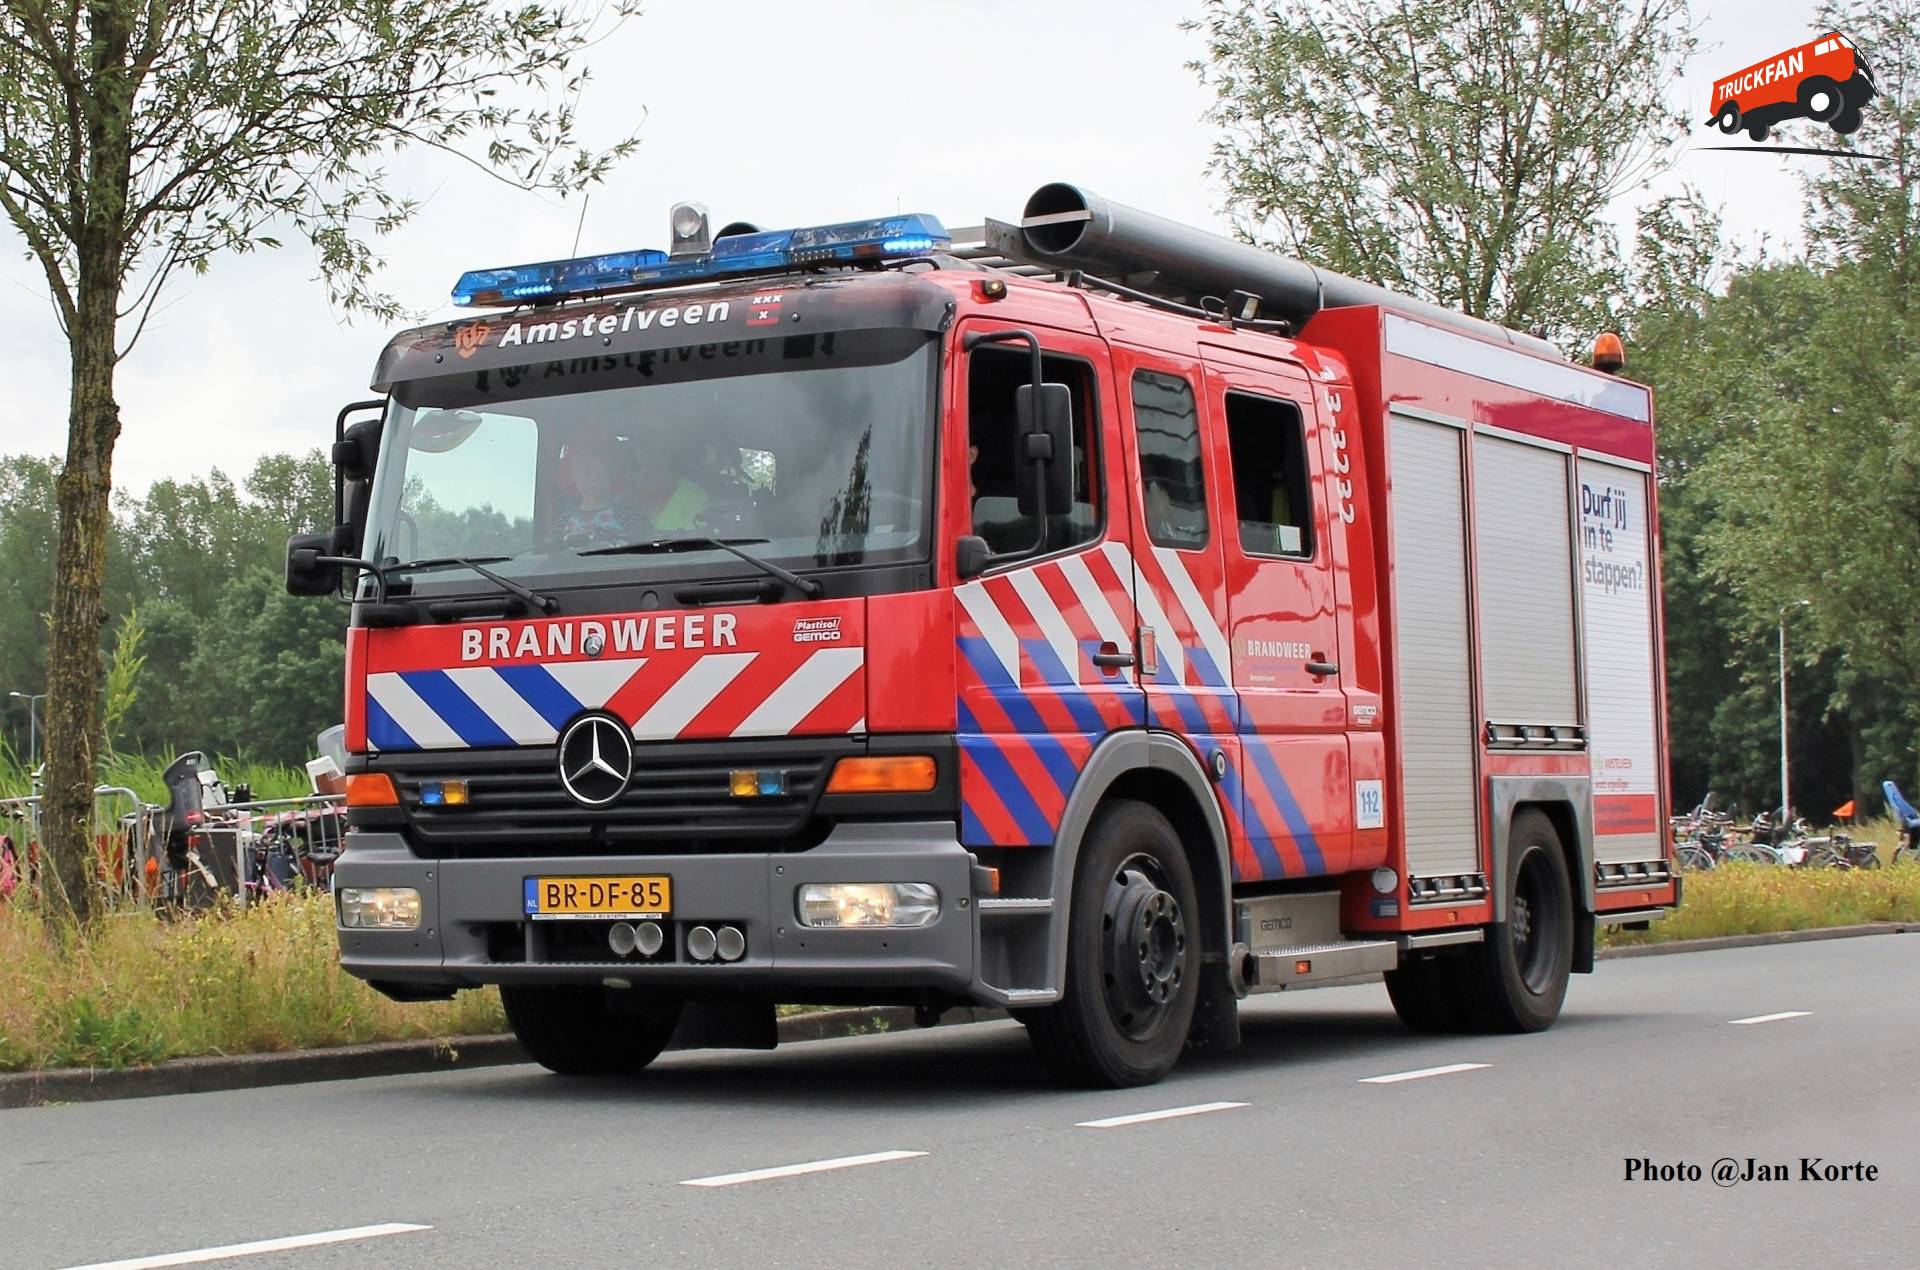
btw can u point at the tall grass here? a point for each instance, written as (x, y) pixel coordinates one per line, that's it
(136, 988)
(141, 774)
(1754, 899)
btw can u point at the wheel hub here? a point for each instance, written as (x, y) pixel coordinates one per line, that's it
(1146, 949)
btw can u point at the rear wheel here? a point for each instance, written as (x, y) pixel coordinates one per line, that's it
(1426, 996)
(1133, 956)
(580, 1030)
(1728, 120)
(1821, 98)
(1516, 979)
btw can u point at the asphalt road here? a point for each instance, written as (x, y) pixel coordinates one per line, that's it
(1518, 1159)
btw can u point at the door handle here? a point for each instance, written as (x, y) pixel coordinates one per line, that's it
(1318, 668)
(1111, 658)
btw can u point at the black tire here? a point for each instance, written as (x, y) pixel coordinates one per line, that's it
(1426, 996)
(1728, 120)
(1758, 131)
(1848, 121)
(1821, 98)
(575, 1030)
(1133, 956)
(1517, 979)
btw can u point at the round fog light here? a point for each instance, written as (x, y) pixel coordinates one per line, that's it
(732, 944)
(621, 939)
(1386, 881)
(702, 944)
(648, 938)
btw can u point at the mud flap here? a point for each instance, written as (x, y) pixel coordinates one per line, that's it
(1216, 1016)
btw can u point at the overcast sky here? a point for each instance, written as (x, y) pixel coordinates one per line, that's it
(769, 111)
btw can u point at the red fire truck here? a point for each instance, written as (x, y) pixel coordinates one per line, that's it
(1826, 80)
(1091, 617)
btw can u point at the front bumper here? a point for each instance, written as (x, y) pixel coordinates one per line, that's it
(473, 925)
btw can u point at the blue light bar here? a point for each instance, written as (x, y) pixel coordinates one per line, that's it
(852, 242)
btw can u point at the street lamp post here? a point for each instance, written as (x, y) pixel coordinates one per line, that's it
(1786, 784)
(33, 725)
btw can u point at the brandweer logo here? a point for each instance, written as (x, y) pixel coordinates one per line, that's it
(1826, 80)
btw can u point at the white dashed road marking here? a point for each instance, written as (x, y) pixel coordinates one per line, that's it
(1396, 1077)
(795, 1170)
(1774, 1018)
(1171, 1113)
(221, 1253)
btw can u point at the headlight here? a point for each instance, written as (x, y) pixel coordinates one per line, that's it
(379, 907)
(868, 903)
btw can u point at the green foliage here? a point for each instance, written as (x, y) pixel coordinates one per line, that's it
(1789, 402)
(123, 677)
(1464, 152)
(208, 651)
(161, 135)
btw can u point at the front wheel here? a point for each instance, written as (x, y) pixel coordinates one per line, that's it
(1133, 956)
(1848, 121)
(584, 1030)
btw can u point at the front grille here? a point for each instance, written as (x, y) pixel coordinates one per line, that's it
(679, 800)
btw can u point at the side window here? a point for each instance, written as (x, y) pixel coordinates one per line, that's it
(993, 376)
(1166, 425)
(1271, 493)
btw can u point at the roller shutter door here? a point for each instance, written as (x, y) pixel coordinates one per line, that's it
(1436, 722)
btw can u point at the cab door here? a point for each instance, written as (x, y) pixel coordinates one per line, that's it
(1044, 635)
(1278, 559)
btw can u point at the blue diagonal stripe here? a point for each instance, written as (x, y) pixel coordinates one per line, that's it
(1297, 826)
(383, 733)
(1259, 835)
(543, 692)
(1006, 782)
(1086, 716)
(1020, 711)
(456, 709)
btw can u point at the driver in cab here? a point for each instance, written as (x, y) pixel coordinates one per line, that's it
(623, 500)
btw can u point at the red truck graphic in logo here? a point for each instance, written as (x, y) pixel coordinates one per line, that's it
(1826, 81)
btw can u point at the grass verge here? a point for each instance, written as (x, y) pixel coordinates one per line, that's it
(1757, 899)
(134, 988)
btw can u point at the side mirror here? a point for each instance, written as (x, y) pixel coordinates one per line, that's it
(1045, 446)
(305, 574)
(357, 451)
(970, 556)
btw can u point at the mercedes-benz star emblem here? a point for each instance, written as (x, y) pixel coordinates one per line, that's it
(593, 644)
(596, 759)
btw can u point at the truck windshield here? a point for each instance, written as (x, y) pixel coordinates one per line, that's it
(813, 448)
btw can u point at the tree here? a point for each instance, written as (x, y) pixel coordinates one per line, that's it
(1463, 152)
(141, 137)
(1817, 490)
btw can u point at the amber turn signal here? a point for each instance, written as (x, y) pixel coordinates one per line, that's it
(371, 789)
(885, 774)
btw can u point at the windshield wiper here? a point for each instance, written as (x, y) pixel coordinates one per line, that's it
(539, 603)
(805, 586)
